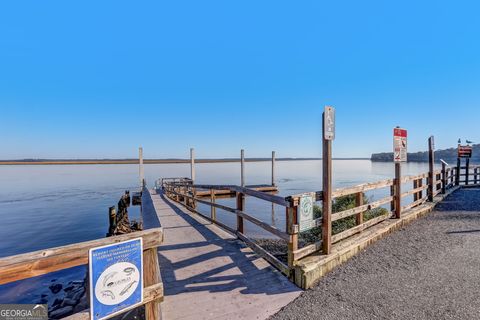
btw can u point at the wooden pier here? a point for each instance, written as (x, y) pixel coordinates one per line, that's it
(207, 272)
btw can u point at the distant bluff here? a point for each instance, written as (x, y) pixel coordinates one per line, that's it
(449, 155)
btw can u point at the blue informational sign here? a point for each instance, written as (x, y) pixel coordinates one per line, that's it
(116, 278)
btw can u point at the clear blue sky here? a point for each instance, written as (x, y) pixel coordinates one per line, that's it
(83, 79)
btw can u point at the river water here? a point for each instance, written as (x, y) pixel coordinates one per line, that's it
(44, 206)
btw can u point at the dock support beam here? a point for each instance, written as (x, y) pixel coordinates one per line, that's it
(242, 168)
(431, 169)
(192, 165)
(273, 168)
(141, 172)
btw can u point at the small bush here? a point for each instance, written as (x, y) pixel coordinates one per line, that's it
(338, 205)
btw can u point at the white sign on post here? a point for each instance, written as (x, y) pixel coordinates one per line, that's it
(399, 145)
(306, 215)
(329, 123)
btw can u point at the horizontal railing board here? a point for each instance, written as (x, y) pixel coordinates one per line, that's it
(150, 294)
(360, 209)
(350, 232)
(362, 188)
(248, 217)
(28, 265)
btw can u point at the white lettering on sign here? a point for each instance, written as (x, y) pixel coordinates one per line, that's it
(329, 123)
(399, 145)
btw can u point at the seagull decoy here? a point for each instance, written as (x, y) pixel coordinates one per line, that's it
(468, 141)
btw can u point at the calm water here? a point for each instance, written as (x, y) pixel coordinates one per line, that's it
(48, 206)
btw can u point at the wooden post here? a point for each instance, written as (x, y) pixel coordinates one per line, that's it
(273, 168)
(192, 177)
(467, 172)
(292, 220)
(444, 177)
(392, 194)
(457, 173)
(242, 168)
(415, 186)
(327, 192)
(151, 276)
(213, 210)
(192, 165)
(398, 190)
(431, 167)
(112, 219)
(359, 202)
(420, 184)
(240, 207)
(140, 169)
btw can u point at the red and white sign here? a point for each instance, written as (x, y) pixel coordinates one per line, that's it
(399, 145)
(465, 151)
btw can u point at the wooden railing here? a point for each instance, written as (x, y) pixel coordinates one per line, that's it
(183, 190)
(468, 175)
(42, 262)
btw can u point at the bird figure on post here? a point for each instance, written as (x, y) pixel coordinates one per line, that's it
(469, 142)
(459, 141)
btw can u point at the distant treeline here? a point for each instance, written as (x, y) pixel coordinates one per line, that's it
(449, 155)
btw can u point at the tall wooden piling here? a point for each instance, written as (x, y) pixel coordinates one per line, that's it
(192, 165)
(327, 124)
(242, 168)
(273, 168)
(140, 168)
(431, 168)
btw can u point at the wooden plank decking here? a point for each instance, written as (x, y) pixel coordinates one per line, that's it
(207, 273)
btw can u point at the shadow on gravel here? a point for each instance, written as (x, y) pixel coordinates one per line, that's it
(461, 200)
(464, 231)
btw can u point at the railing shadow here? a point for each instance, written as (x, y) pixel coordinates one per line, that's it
(236, 269)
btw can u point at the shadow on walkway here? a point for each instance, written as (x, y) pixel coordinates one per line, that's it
(218, 263)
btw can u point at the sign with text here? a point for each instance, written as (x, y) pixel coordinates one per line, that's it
(329, 123)
(399, 145)
(306, 219)
(116, 278)
(465, 151)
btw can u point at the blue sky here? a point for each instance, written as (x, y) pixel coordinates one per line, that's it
(96, 79)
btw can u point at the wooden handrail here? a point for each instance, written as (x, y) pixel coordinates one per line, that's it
(234, 188)
(28, 265)
(362, 188)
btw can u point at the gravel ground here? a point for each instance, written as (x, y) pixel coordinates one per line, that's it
(428, 270)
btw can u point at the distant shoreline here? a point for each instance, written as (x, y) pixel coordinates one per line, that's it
(149, 161)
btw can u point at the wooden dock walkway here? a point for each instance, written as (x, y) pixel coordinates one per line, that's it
(207, 273)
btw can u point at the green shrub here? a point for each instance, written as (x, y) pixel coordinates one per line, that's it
(338, 205)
